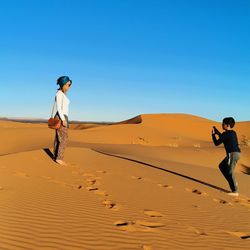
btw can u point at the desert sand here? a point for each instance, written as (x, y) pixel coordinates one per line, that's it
(151, 182)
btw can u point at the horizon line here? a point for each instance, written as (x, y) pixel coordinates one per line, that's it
(43, 120)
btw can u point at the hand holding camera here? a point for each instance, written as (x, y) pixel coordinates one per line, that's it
(215, 131)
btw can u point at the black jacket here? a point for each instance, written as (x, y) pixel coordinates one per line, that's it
(229, 139)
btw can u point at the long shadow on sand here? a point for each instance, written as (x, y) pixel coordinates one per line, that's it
(49, 153)
(166, 170)
(245, 169)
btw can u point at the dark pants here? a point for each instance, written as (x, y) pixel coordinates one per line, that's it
(227, 167)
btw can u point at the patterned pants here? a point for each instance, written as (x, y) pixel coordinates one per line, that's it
(60, 143)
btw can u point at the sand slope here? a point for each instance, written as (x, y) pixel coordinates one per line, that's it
(158, 130)
(163, 192)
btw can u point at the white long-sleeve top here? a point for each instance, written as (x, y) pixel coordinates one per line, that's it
(62, 104)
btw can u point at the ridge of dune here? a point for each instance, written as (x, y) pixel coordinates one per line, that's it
(168, 130)
(154, 119)
(159, 119)
(159, 130)
(135, 120)
(173, 116)
(83, 126)
(17, 124)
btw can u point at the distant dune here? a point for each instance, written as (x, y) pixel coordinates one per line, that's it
(134, 120)
(147, 129)
(159, 129)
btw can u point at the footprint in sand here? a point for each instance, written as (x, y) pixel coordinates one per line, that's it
(245, 237)
(142, 140)
(72, 186)
(91, 188)
(21, 174)
(138, 225)
(152, 213)
(221, 201)
(100, 192)
(101, 171)
(126, 226)
(136, 177)
(141, 178)
(196, 191)
(164, 186)
(93, 181)
(110, 205)
(243, 201)
(240, 235)
(1, 188)
(149, 224)
(195, 230)
(195, 206)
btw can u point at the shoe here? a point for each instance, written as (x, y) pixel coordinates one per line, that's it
(233, 194)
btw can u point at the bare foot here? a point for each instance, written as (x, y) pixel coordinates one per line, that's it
(233, 194)
(62, 163)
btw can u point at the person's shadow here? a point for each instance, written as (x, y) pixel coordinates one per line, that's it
(49, 153)
(246, 169)
(166, 170)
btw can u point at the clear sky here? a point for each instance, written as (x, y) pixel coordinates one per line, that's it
(126, 57)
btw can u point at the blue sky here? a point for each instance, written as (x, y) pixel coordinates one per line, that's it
(126, 57)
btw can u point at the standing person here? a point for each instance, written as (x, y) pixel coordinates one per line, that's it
(62, 105)
(230, 141)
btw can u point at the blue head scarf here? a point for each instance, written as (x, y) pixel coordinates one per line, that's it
(61, 81)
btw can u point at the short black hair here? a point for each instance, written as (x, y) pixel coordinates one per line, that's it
(229, 121)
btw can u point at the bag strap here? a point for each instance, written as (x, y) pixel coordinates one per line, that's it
(53, 108)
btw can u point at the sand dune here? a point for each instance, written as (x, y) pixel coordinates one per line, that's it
(134, 120)
(159, 130)
(145, 183)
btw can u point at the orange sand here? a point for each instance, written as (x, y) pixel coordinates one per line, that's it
(151, 182)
